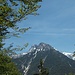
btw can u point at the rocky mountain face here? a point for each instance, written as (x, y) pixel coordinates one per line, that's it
(69, 55)
(56, 62)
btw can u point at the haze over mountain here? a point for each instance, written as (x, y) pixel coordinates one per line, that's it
(56, 62)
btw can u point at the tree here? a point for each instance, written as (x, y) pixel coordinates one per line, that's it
(42, 70)
(7, 67)
(11, 12)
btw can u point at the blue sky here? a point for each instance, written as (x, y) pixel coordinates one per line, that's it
(54, 25)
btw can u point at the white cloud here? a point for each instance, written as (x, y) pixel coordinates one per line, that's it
(69, 29)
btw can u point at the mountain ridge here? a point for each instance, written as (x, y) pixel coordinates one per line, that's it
(68, 54)
(57, 62)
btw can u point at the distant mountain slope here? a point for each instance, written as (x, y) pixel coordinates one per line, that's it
(56, 62)
(69, 55)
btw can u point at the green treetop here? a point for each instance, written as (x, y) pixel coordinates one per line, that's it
(7, 67)
(13, 11)
(42, 70)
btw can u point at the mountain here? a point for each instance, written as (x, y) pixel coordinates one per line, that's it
(69, 55)
(18, 55)
(56, 62)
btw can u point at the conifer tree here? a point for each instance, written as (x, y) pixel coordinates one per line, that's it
(11, 12)
(42, 69)
(7, 67)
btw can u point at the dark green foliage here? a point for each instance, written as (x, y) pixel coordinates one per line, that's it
(11, 12)
(7, 67)
(42, 70)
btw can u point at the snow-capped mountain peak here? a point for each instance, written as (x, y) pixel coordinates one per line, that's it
(52, 59)
(41, 47)
(69, 55)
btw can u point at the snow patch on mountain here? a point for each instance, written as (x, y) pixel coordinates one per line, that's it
(32, 49)
(69, 55)
(27, 68)
(73, 58)
(42, 47)
(45, 58)
(18, 55)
